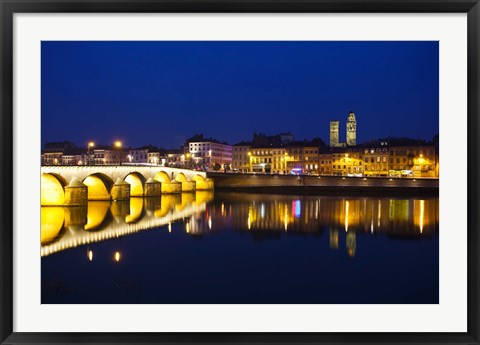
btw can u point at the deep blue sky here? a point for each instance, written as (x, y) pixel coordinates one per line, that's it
(163, 92)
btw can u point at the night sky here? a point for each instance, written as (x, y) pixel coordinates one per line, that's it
(161, 93)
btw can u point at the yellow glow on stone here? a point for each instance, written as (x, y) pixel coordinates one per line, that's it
(51, 192)
(136, 186)
(96, 213)
(136, 208)
(96, 188)
(51, 223)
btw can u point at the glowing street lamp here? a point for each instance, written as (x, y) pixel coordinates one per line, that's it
(118, 145)
(91, 145)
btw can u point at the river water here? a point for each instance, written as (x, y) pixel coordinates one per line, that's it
(210, 247)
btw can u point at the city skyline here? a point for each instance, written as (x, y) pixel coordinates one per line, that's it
(162, 93)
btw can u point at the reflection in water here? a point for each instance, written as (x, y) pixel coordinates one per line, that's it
(52, 219)
(201, 213)
(68, 227)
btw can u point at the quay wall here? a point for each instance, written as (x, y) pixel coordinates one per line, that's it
(272, 183)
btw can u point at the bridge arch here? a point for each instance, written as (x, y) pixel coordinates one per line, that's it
(52, 190)
(136, 181)
(202, 183)
(181, 177)
(162, 176)
(99, 186)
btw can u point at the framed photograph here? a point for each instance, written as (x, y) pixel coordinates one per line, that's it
(239, 172)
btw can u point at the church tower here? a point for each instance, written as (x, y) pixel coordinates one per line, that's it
(334, 133)
(351, 130)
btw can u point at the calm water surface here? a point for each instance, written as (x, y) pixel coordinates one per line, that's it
(242, 248)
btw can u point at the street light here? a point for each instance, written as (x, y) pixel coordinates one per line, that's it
(91, 145)
(118, 145)
(210, 159)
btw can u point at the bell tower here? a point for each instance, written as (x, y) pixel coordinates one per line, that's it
(351, 130)
(334, 133)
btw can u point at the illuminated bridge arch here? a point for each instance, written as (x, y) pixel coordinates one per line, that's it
(187, 186)
(52, 190)
(136, 181)
(162, 177)
(202, 183)
(99, 186)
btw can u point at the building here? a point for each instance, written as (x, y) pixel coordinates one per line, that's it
(269, 160)
(297, 157)
(175, 158)
(154, 157)
(108, 155)
(400, 158)
(376, 159)
(351, 130)
(138, 156)
(286, 138)
(334, 139)
(240, 156)
(413, 161)
(324, 161)
(74, 157)
(303, 158)
(210, 154)
(62, 153)
(347, 161)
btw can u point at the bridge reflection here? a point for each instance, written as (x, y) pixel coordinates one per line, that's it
(68, 227)
(260, 215)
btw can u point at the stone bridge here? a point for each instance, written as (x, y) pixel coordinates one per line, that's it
(75, 185)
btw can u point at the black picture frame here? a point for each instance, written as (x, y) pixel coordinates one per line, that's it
(9, 7)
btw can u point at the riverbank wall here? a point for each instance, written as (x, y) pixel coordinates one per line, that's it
(328, 185)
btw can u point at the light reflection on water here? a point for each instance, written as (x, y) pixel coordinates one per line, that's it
(202, 213)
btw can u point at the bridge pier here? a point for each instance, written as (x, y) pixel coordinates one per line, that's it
(76, 193)
(152, 188)
(120, 190)
(187, 186)
(171, 187)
